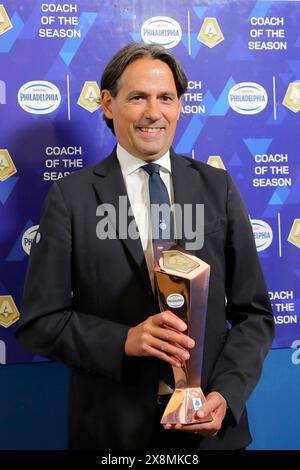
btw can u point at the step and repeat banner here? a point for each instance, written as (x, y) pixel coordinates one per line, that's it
(241, 112)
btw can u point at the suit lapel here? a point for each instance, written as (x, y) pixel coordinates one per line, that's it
(186, 185)
(109, 186)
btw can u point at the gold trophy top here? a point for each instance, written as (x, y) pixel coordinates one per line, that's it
(180, 263)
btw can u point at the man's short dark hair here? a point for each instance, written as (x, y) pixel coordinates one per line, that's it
(114, 70)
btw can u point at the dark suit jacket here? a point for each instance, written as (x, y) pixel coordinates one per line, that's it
(82, 294)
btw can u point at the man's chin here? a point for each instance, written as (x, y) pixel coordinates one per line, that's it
(149, 152)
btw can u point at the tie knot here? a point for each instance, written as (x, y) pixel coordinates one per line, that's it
(151, 168)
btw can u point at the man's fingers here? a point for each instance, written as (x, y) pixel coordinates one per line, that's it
(170, 349)
(170, 319)
(151, 351)
(171, 332)
(216, 405)
(179, 340)
(206, 429)
(213, 401)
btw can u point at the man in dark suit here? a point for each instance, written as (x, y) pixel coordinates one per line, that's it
(89, 299)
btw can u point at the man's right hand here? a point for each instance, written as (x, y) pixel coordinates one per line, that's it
(160, 336)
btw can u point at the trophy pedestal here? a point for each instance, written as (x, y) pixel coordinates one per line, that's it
(183, 405)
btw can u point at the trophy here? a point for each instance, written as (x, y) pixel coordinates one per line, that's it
(181, 281)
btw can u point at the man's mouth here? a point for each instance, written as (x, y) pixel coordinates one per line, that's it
(151, 131)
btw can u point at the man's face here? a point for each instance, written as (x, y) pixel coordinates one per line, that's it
(145, 110)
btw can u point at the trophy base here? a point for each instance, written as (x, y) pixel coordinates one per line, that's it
(183, 405)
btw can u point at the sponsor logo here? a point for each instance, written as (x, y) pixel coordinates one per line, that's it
(175, 300)
(296, 354)
(2, 92)
(39, 97)
(210, 33)
(9, 313)
(89, 97)
(263, 234)
(216, 161)
(2, 352)
(5, 23)
(161, 30)
(247, 98)
(294, 235)
(7, 167)
(292, 97)
(28, 238)
(197, 403)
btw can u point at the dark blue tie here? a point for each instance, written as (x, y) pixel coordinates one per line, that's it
(161, 215)
(162, 230)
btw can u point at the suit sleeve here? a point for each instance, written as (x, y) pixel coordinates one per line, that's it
(248, 311)
(49, 326)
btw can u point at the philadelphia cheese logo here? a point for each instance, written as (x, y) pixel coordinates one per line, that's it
(161, 30)
(175, 300)
(263, 234)
(28, 238)
(247, 98)
(39, 97)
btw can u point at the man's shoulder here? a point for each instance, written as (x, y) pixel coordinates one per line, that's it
(77, 177)
(204, 169)
(84, 176)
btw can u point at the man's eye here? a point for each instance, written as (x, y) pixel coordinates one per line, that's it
(136, 98)
(167, 98)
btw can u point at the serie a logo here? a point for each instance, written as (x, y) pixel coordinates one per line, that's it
(7, 167)
(5, 23)
(89, 98)
(9, 313)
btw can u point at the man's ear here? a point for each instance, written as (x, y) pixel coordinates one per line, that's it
(106, 100)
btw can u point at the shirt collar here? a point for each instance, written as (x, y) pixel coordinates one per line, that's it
(129, 163)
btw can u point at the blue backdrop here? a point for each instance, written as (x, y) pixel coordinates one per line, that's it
(241, 112)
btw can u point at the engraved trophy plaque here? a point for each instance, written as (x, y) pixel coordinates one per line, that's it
(182, 282)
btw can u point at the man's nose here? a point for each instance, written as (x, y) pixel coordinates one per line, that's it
(152, 110)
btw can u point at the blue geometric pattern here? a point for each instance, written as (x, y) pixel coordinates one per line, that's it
(200, 12)
(295, 68)
(235, 161)
(136, 37)
(8, 39)
(221, 107)
(294, 193)
(194, 45)
(279, 196)
(7, 187)
(33, 23)
(190, 135)
(260, 9)
(72, 45)
(17, 253)
(209, 125)
(209, 102)
(258, 146)
(239, 51)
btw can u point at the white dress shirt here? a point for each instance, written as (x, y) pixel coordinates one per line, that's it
(136, 182)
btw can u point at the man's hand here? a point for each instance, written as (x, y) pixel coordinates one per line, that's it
(160, 336)
(216, 406)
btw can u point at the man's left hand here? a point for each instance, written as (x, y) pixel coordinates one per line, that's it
(215, 405)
